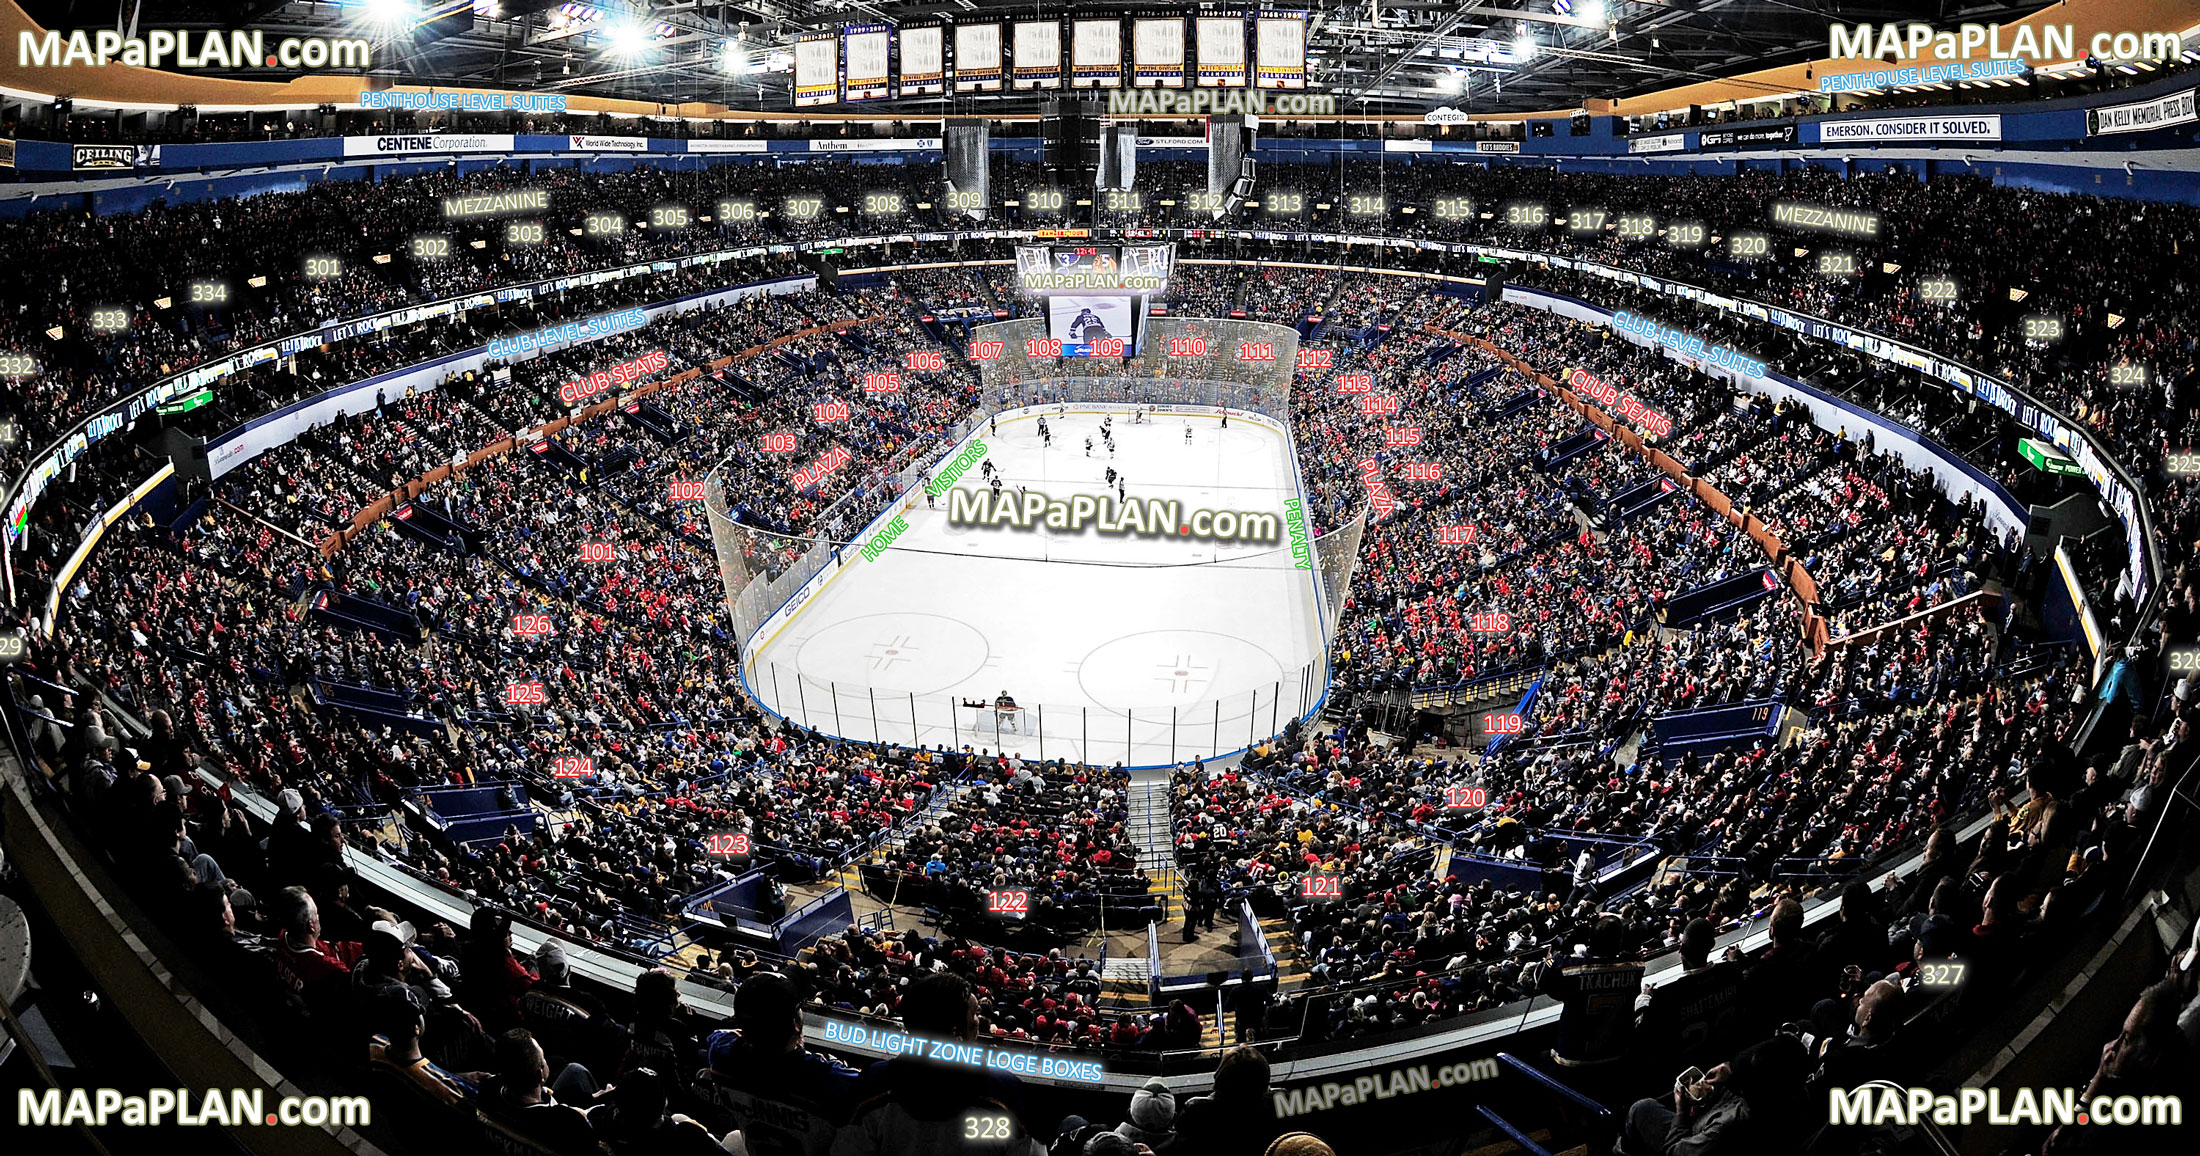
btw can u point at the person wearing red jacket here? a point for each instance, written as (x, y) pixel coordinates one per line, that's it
(491, 980)
(310, 964)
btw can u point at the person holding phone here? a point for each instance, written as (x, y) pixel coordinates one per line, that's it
(1716, 1113)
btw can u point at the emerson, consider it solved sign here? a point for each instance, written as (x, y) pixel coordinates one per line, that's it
(1902, 128)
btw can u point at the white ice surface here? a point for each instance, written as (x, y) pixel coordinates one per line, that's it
(1141, 650)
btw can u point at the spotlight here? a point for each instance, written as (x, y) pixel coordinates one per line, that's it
(389, 13)
(626, 39)
(1523, 44)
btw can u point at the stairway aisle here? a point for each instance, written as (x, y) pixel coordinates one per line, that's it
(1153, 833)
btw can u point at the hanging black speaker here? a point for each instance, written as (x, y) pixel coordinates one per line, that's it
(1069, 133)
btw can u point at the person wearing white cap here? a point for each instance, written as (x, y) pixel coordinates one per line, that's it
(289, 844)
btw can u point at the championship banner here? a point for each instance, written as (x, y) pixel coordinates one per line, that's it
(1157, 53)
(2176, 108)
(1038, 54)
(817, 70)
(1279, 49)
(923, 60)
(977, 58)
(1221, 51)
(1884, 129)
(1096, 54)
(867, 49)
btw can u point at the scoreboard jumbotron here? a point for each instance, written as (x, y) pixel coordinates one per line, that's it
(1093, 292)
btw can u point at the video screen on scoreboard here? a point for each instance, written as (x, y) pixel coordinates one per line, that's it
(1093, 326)
(1132, 269)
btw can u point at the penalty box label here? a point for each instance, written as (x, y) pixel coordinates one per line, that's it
(1147, 518)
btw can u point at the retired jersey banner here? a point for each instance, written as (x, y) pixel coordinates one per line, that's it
(977, 58)
(1279, 49)
(867, 50)
(1096, 54)
(1038, 54)
(1221, 51)
(924, 60)
(817, 70)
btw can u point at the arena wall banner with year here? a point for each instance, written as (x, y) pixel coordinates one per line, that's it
(977, 58)
(817, 70)
(1279, 49)
(1221, 51)
(923, 60)
(1157, 52)
(1096, 54)
(867, 50)
(1038, 62)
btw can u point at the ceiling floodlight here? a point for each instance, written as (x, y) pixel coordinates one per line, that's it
(626, 39)
(1523, 44)
(388, 13)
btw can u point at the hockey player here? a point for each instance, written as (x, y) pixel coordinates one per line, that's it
(1088, 445)
(1187, 433)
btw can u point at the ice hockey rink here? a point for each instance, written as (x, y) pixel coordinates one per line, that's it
(1116, 648)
